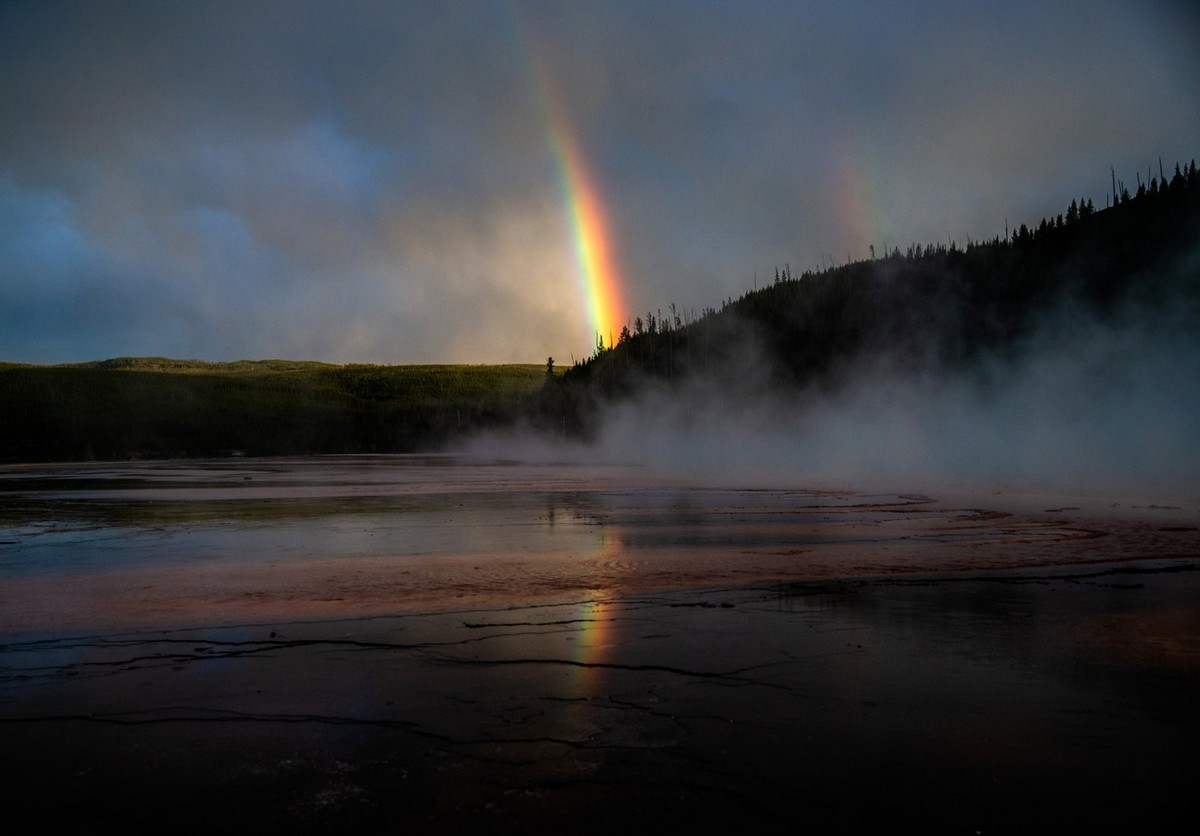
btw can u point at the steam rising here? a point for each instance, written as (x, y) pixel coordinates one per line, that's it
(1080, 405)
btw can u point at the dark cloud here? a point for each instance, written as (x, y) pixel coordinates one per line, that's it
(374, 181)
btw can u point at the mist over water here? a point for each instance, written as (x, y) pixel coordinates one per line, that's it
(1083, 403)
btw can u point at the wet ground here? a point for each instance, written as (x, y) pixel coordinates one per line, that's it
(429, 643)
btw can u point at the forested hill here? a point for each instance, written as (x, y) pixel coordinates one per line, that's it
(940, 306)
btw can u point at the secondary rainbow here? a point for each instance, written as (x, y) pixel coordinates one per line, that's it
(858, 202)
(596, 264)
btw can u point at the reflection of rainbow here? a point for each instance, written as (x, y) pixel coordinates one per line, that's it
(596, 630)
(596, 266)
(592, 645)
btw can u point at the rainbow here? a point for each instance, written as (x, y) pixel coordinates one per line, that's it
(599, 277)
(858, 204)
(595, 263)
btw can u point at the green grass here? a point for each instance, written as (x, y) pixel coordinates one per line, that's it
(159, 407)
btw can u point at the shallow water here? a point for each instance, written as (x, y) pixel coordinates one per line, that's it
(229, 541)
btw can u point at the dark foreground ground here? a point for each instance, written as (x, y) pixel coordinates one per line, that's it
(1024, 700)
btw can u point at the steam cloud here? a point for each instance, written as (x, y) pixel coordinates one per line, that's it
(1082, 404)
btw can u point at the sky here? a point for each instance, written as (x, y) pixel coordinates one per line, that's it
(486, 182)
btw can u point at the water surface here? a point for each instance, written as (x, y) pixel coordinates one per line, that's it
(234, 540)
(371, 644)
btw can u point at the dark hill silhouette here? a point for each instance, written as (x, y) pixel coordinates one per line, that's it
(936, 307)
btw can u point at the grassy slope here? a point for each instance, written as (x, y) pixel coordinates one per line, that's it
(149, 407)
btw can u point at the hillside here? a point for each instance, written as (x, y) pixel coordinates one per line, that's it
(157, 407)
(940, 309)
